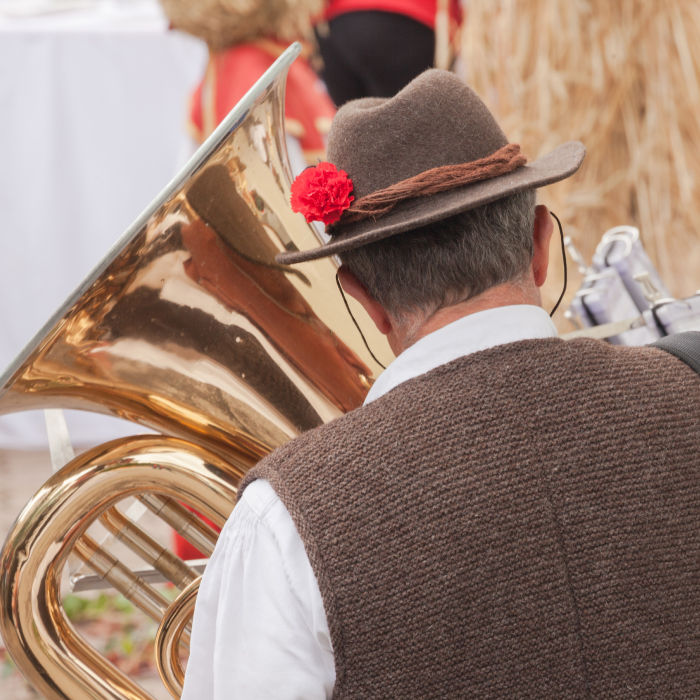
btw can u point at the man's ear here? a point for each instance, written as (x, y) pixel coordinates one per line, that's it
(357, 290)
(541, 235)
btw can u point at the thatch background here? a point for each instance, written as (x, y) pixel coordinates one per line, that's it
(224, 23)
(620, 76)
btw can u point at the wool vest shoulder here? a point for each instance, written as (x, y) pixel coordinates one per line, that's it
(521, 522)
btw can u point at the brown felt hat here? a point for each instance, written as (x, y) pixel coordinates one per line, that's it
(436, 120)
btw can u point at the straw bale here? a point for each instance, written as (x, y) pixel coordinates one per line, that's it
(224, 23)
(620, 76)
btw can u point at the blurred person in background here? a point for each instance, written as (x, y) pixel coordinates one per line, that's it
(244, 39)
(373, 48)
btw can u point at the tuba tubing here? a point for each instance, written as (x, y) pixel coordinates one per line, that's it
(46, 647)
(169, 637)
(172, 568)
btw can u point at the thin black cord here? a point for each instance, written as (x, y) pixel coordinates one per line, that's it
(551, 313)
(563, 255)
(357, 325)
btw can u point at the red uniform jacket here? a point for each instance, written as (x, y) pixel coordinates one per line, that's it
(232, 72)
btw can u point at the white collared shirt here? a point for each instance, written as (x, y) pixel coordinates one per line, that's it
(260, 629)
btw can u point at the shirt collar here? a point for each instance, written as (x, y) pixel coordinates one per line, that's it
(477, 331)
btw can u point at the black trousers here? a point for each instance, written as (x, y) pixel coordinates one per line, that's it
(373, 54)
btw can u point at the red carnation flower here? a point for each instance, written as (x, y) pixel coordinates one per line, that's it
(322, 193)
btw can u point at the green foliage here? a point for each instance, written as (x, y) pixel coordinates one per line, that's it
(80, 608)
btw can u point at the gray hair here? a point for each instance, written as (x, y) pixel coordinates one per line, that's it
(449, 261)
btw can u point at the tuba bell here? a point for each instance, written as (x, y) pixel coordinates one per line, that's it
(190, 328)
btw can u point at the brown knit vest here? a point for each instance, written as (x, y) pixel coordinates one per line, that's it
(519, 523)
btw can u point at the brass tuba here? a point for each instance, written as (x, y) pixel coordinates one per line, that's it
(189, 327)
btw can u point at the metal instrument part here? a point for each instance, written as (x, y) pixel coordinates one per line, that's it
(622, 298)
(189, 327)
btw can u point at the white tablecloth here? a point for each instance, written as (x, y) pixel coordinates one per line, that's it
(92, 126)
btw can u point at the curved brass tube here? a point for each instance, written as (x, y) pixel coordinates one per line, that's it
(169, 636)
(41, 640)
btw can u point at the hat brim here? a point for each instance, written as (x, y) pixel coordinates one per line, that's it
(557, 165)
